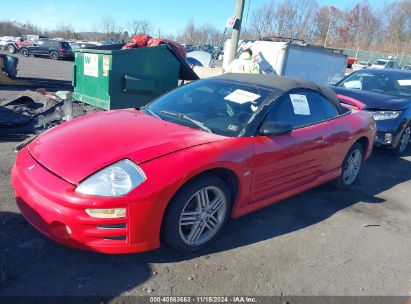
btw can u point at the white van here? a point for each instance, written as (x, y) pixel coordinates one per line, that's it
(295, 58)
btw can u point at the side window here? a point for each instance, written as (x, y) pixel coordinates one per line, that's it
(299, 108)
(329, 108)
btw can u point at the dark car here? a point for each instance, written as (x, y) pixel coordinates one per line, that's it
(77, 46)
(387, 95)
(53, 49)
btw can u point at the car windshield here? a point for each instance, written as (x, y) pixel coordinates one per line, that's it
(390, 83)
(219, 107)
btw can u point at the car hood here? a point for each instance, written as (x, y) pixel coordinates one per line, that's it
(374, 100)
(82, 146)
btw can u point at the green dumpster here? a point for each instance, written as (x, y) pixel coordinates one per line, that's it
(117, 79)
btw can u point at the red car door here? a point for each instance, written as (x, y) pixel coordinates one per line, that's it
(286, 162)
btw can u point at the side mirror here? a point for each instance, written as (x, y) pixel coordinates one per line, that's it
(274, 128)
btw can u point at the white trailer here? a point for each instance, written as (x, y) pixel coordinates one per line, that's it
(292, 58)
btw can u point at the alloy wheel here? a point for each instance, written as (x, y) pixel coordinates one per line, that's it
(202, 216)
(352, 167)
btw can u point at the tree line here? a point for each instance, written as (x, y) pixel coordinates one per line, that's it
(385, 28)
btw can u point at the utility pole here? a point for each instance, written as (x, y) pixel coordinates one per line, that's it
(235, 36)
(328, 32)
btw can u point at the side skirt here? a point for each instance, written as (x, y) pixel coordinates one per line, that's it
(279, 197)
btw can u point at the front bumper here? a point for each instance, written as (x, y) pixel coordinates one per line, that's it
(383, 138)
(50, 204)
(389, 132)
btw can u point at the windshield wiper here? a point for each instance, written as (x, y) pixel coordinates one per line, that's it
(150, 112)
(185, 117)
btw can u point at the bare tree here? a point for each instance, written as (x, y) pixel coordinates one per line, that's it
(262, 19)
(296, 18)
(109, 26)
(139, 27)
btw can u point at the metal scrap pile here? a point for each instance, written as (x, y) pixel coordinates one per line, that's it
(33, 113)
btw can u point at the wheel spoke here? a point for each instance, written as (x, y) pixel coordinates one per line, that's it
(202, 199)
(189, 217)
(348, 173)
(196, 232)
(212, 223)
(217, 203)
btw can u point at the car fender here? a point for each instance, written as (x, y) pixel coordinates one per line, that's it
(167, 175)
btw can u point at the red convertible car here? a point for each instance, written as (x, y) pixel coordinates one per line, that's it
(178, 168)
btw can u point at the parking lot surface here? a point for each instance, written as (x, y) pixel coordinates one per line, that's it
(35, 67)
(322, 242)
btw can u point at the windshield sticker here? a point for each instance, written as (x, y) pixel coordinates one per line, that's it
(240, 96)
(404, 82)
(233, 128)
(300, 104)
(254, 108)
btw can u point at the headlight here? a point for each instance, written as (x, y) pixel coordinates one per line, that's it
(115, 180)
(384, 115)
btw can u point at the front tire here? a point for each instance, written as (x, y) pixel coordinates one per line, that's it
(404, 141)
(197, 214)
(12, 49)
(351, 167)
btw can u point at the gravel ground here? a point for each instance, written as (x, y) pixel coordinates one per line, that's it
(322, 242)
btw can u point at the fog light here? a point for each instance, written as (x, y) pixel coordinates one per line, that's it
(388, 138)
(107, 213)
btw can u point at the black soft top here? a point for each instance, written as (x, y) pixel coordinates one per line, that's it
(281, 83)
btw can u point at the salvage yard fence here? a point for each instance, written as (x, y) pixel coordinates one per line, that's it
(370, 56)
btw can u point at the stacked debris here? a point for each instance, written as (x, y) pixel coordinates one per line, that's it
(35, 112)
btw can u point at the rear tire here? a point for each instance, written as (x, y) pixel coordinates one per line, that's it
(404, 141)
(25, 52)
(351, 167)
(197, 214)
(54, 55)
